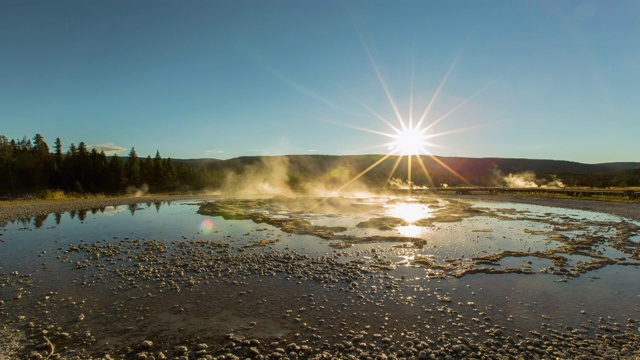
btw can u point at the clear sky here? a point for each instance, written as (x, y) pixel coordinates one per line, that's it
(193, 79)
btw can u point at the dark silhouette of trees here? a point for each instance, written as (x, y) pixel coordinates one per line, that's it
(132, 169)
(56, 170)
(99, 170)
(117, 175)
(6, 162)
(146, 169)
(28, 165)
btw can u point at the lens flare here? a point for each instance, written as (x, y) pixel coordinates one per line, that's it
(206, 226)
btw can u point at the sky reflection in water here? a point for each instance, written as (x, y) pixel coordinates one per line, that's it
(24, 241)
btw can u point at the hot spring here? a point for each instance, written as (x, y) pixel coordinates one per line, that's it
(322, 277)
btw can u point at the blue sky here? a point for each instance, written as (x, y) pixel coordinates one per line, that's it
(537, 79)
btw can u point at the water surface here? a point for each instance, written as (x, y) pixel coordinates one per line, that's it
(107, 279)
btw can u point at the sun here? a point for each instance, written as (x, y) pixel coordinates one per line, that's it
(409, 141)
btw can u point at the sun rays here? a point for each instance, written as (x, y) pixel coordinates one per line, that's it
(410, 134)
(408, 140)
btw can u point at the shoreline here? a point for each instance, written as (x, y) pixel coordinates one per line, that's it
(623, 209)
(9, 212)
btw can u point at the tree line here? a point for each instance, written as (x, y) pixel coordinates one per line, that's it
(28, 165)
(616, 179)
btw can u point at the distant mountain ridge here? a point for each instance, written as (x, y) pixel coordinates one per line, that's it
(442, 170)
(621, 165)
(505, 164)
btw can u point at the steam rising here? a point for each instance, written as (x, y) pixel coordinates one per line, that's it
(276, 175)
(527, 179)
(138, 192)
(522, 180)
(271, 176)
(399, 184)
(268, 177)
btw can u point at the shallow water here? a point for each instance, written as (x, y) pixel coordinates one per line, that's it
(129, 273)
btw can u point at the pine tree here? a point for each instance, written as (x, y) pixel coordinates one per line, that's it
(132, 168)
(158, 180)
(99, 168)
(41, 172)
(69, 176)
(146, 170)
(6, 158)
(117, 174)
(40, 147)
(56, 171)
(170, 175)
(82, 167)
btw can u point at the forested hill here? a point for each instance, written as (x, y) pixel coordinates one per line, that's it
(453, 171)
(28, 165)
(505, 164)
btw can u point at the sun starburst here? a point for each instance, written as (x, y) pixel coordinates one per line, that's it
(410, 141)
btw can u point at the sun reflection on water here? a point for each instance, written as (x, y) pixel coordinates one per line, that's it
(409, 212)
(410, 230)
